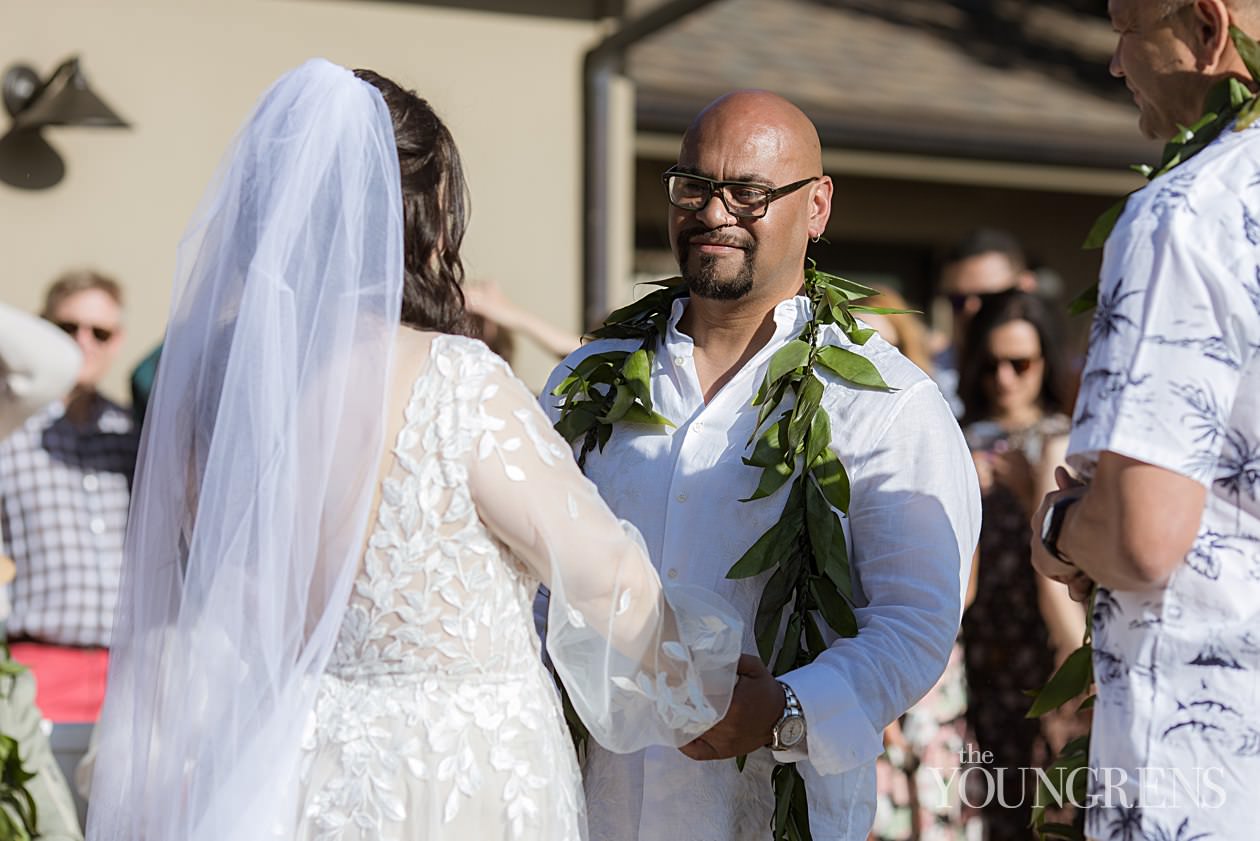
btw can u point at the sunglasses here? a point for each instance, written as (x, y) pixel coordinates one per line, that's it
(1021, 365)
(72, 328)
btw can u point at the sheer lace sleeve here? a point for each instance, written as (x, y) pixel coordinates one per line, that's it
(643, 664)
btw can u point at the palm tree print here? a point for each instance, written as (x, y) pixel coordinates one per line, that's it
(1125, 823)
(1161, 833)
(1251, 227)
(1253, 291)
(1211, 347)
(1239, 468)
(1108, 319)
(1173, 196)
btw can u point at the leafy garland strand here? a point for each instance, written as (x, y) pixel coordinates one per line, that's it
(1228, 102)
(804, 551)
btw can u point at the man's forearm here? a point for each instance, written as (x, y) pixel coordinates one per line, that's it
(1133, 526)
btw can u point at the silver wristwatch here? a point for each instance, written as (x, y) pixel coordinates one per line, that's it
(790, 730)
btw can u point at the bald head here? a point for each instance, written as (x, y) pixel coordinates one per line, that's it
(750, 139)
(763, 121)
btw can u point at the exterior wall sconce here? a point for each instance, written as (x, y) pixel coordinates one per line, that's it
(27, 161)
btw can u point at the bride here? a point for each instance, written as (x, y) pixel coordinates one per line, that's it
(341, 514)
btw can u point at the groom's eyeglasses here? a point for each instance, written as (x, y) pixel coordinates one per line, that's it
(740, 198)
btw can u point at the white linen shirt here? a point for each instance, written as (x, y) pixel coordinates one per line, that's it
(912, 527)
(1173, 379)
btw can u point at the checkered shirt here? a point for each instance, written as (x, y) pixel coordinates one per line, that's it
(64, 493)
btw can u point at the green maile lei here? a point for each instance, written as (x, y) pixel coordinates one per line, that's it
(804, 551)
(1228, 103)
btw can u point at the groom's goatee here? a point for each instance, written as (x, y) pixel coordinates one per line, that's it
(704, 282)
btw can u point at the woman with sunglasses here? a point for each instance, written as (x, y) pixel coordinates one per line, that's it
(1020, 625)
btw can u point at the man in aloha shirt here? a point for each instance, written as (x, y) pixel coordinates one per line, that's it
(1167, 442)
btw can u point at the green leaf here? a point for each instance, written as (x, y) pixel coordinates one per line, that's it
(777, 593)
(859, 336)
(837, 612)
(832, 480)
(784, 783)
(621, 404)
(771, 448)
(814, 642)
(882, 310)
(788, 358)
(1248, 115)
(851, 367)
(638, 414)
(826, 537)
(1104, 225)
(808, 397)
(1085, 301)
(1248, 49)
(772, 478)
(776, 397)
(638, 371)
(851, 290)
(1072, 679)
(790, 646)
(575, 422)
(819, 437)
(800, 807)
(766, 552)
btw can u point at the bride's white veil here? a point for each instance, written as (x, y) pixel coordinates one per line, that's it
(257, 469)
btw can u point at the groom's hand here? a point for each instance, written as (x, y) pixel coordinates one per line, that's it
(756, 706)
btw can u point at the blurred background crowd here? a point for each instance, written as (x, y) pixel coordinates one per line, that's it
(972, 143)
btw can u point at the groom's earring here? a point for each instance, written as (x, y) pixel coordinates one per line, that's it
(815, 238)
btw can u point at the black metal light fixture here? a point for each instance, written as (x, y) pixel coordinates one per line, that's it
(65, 99)
(27, 161)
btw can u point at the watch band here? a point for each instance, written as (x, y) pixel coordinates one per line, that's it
(1052, 526)
(792, 713)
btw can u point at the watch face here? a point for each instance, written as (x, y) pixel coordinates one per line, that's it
(791, 731)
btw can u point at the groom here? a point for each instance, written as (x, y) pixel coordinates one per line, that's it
(913, 519)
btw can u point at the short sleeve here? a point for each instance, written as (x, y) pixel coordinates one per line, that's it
(1177, 324)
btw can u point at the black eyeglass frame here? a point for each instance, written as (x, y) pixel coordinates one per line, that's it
(72, 328)
(718, 188)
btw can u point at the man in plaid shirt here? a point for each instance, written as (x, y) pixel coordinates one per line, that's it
(65, 486)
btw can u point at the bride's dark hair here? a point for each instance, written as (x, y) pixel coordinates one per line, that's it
(435, 210)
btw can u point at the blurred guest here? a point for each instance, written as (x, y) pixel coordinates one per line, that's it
(987, 261)
(38, 364)
(911, 804)
(65, 482)
(497, 320)
(904, 331)
(1015, 421)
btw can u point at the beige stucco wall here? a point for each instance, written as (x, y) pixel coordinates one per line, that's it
(186, 74)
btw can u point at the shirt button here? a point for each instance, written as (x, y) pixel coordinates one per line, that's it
(673, 573)
(91, 483)
(682, 497)
(680, 360)
(97, 525)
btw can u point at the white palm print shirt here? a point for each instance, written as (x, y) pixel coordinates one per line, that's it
(1173, 379)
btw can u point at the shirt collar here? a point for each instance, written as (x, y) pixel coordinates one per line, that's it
(790, 316)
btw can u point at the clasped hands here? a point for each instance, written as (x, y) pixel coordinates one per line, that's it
(757, 704)
(1078, 583)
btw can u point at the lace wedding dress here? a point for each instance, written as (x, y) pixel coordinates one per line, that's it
(435, 718)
